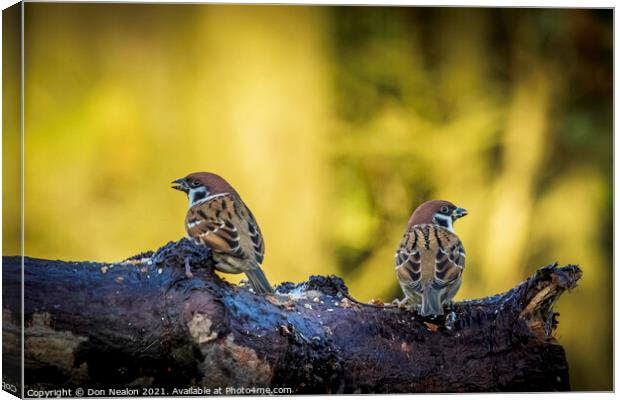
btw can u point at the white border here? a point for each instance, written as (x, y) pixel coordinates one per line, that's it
(454, 3)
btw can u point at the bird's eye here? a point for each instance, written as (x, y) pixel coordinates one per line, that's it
(194, 183)
(444, 210)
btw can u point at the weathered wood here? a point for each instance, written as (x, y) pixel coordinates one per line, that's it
(144, 323)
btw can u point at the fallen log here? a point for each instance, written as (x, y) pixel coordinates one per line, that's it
(143, 324)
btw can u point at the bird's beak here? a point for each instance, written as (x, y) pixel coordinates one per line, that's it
(459, 213)
(180, 184)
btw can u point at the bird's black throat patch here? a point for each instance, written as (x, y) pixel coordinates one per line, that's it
(198, 195)
(442, 221)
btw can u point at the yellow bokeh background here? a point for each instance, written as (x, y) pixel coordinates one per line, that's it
(333, 123)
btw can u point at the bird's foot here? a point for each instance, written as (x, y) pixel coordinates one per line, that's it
(188, 269)
(406, 304)
(450, 320)
(246, 282)
(400, 303)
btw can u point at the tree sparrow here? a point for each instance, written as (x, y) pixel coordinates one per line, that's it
(219, 219)
(430, 258)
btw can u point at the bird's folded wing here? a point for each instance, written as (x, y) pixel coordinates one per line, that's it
(212, 223)
(450, 258)
(408, 260)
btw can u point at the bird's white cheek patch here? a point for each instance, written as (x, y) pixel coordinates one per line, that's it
(197, 195)
(444, 220)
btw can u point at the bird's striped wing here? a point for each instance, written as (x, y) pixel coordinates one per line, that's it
(211, 223)
(408, 260)
(450, 257)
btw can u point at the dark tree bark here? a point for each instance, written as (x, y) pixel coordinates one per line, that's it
(143, 323)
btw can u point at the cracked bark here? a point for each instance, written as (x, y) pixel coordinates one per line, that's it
(143, 323)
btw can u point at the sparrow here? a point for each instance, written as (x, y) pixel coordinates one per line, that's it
(219, 219)
(430, 258)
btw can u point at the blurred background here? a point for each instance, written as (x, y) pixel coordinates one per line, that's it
(333, 123)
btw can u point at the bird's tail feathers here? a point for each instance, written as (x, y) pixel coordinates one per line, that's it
(259, 281)
(431, 303)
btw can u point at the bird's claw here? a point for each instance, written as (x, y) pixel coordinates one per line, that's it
(400, 303)
(450, 320)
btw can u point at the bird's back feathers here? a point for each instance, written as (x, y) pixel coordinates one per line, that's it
(429, 260)
(430, 253)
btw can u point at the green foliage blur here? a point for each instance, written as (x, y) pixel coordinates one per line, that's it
(333, 123)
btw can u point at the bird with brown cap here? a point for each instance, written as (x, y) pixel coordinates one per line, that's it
(219, 219)
(430, 258)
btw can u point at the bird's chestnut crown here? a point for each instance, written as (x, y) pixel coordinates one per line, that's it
(438, 212)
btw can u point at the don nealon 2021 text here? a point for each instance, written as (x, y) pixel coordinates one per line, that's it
(191, 391)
